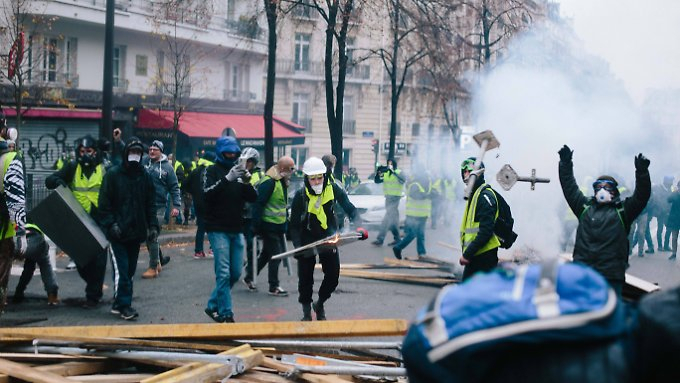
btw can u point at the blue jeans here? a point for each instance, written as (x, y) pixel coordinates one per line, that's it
(228, 250)
(415, 228)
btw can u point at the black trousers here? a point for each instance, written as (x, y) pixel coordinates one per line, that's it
(483, 262)
(93, 274)
(330, 264)
(272, 244)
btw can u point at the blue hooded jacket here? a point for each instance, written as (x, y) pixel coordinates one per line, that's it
(226, 145)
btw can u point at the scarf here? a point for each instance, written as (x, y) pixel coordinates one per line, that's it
(316, 202)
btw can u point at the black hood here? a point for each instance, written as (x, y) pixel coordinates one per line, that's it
(133, 143)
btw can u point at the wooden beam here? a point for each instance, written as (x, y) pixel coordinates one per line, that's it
(82, 368)
(206, 372)
(30, 374)
(221, 331)
(111, 378)
(402, 278)
(306, 376)
(24, 356)
(405, 263)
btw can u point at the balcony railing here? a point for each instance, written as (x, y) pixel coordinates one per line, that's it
(304, 122)
(349, 127)
(313, 68)
(238, 95)
(120, 85)
(358, 72)
(56, 79)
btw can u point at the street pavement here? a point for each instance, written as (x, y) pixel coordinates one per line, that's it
(180, 294)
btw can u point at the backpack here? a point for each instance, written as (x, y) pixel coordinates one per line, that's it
(548, 322)
(504, 222)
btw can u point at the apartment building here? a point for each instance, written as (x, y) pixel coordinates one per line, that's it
(218, 46)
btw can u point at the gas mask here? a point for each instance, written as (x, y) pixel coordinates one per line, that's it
(134, 157)
(86, 160)
(603, 196)
(317, 189)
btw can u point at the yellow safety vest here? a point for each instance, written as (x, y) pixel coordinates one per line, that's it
(276, 208)
(6, 160)
(316, 202)
(205, 162)
(256, 178)
(470, 228)
(418, 207)
(86, 190)
(450, 189)
(391, 184)
(177, 165)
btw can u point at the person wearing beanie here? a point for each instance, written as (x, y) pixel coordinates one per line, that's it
(165, 180)
(128, 217)
(226, 189)
(604, 219)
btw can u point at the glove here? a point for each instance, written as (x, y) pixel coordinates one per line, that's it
(115, 232)
(20, 245)
(235, 173)
(463, 261)
(153, 234)
(641, 162)
(61, 182)
(566, 154)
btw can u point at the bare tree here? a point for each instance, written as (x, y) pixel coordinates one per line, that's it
(176, 60)
(271, 9)
(22, 25)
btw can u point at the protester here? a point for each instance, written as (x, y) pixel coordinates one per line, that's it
(604, 219)
(393, 185)
(194, 186)
(226, 189)
(127, 205)
(37, 253)
(418, 210)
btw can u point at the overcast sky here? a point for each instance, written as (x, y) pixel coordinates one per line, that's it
(639, 39)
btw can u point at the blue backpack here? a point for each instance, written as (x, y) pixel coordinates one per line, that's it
(493, 323)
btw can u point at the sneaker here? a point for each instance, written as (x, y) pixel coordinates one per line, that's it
(215, 316)
(672, 257)
(185, 223)
(377, 242)
(115, 310)
(128, 313)
(165, 259)
(306, 312)
(151, 273)
(319, 311)
(649, 251)
(199, 255)
(397, 253)
(52, 299)
(666, 248)
(209, 254)
(278, 292)
(229, 319)
(394, 242)
(71, 266)
(18, 297)
(250, 285)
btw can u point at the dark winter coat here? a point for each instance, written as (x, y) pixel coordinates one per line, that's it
(485, 214)
(602, 237)
(673, 222)
(193, 185)
(225, 200)
(127, 197)
(306, 228)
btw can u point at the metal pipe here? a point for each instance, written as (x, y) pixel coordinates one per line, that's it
(349, 370)
(326, 344)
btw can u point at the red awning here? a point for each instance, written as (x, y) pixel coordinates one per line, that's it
(211, 125)
(56, 113)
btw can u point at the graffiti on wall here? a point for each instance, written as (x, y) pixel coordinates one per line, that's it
(43, 153)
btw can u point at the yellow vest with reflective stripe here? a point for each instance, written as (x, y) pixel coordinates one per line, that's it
(205, 162)
(418, 207)
(256, 178)
(86, 190)
(391, 184)
(275, 209)
(7, 159)
(177, 165)
(470, 228)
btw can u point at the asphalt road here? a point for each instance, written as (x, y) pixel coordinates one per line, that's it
(180, 294)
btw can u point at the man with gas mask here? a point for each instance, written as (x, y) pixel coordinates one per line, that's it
(128, 216)
(84, 177)
(604, 219)
(312, 218)
(480, 244)
(226, 189)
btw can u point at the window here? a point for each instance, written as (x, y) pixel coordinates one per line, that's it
(346, 153)
(348, 121)
(299, 155)
(303, 9)
(118, 66)
(415, 129)
(302, 52)
(237, 82)
(349, 51)
(141, 65)
(70, 71)
(50, 54)
(301, 110)
(231, 10)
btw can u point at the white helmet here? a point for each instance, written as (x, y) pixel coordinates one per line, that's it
(251, 154)
(314, 166)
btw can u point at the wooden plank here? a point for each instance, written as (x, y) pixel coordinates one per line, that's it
(20, 356)
(402, 278)
(111, 378)
(205, 372)
(221, 331)
(30, 374)
(412, 264)
(97, 341)
(253, 376)
(82, 368)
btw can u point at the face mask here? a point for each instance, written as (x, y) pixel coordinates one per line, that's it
(317, 189)
(603, 196)
(86, 159)
(134, 157)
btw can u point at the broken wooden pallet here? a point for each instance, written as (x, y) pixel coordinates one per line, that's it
(437, 281)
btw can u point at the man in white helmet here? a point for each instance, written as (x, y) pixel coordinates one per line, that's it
(312, 219)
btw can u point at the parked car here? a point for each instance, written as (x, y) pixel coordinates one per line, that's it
(369, 199)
